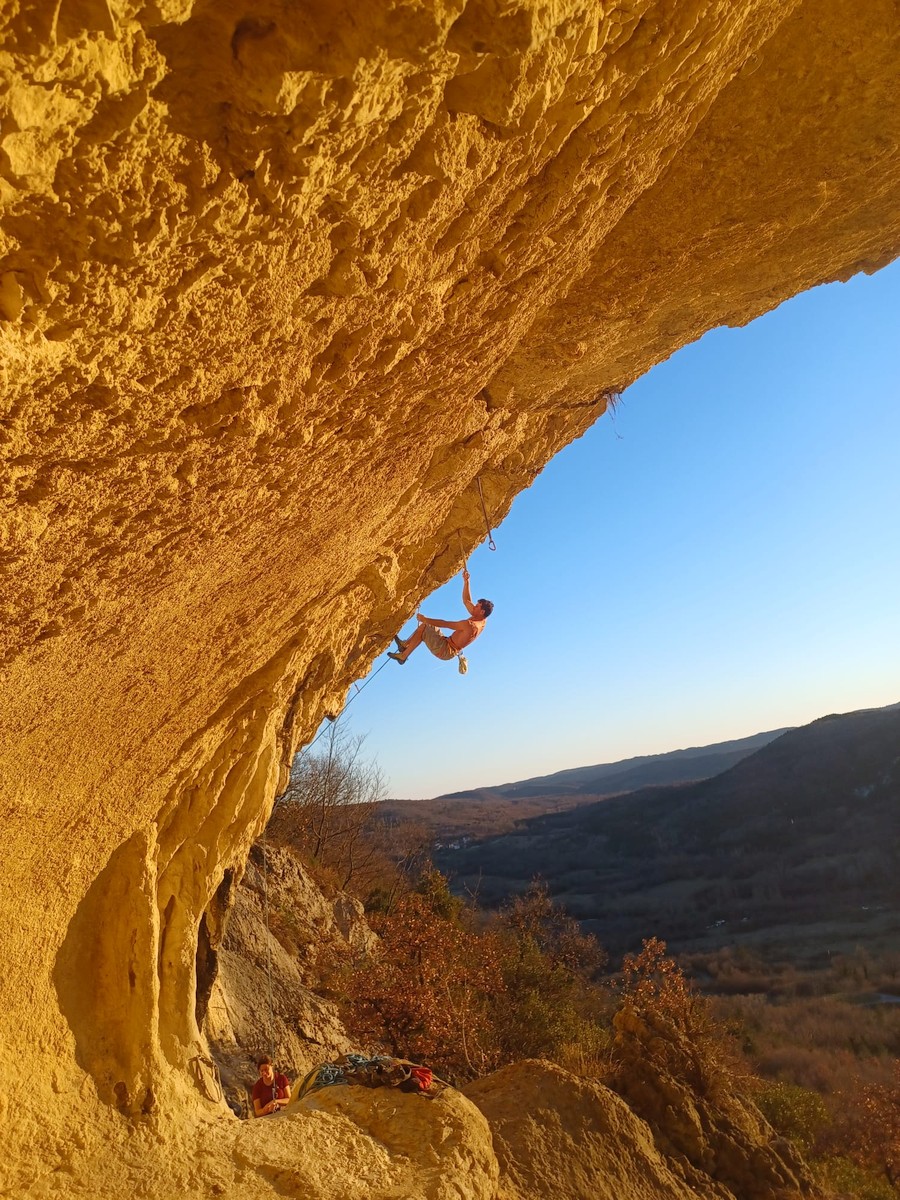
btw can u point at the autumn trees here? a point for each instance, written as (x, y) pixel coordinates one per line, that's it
(468, 993)
(328, 807)
(331, 814)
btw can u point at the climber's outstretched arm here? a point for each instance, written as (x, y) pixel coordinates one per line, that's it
(466, 594)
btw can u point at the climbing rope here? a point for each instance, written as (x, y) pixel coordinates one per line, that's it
(487, 523)
(360, 689)
(492, 545)
(270, 1021)
(324, 729)
(201, 1065)
(271, 1015)
(462, 553)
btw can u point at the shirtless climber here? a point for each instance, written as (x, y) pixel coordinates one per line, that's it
(464, 632)
(271, 1092)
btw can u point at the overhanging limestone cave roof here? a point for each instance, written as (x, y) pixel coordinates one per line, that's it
(278, 281)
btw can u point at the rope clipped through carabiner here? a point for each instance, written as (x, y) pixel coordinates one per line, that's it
(487, 524)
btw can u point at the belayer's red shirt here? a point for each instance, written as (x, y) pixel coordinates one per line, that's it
(278, 1089)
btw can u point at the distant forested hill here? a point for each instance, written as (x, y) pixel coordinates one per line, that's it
(481, 812)
(676, 766)
(798, 844)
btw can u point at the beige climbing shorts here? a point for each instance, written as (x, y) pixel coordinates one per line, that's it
(438, 645)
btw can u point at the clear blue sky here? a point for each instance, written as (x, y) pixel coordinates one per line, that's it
(719, 558)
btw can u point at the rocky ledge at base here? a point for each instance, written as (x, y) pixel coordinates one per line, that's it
(530, 1131)
(556, 1134)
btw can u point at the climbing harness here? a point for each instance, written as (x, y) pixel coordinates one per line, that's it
(491, 543)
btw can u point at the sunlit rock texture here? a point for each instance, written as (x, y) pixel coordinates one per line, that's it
(278, 281)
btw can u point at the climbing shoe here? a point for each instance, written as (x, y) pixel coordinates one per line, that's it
(396, 658)
(401, 645)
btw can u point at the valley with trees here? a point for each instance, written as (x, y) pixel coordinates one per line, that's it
(738, 935)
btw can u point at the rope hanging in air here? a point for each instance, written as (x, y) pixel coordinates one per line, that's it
(271, 1015)
(487, 524)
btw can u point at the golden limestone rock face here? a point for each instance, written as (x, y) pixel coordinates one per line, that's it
(558, 1135)
(715, 1140)
(384, 1145)
(278, 280)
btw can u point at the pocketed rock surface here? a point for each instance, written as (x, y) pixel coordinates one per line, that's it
(715, 1139)
(278, 282)
(558, 1135)
(397, 1144)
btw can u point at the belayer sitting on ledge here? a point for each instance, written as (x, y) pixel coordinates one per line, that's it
(464, 632)
(272, 1091)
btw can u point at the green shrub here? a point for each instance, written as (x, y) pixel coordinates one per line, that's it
(798, 1113)
(846, 1178)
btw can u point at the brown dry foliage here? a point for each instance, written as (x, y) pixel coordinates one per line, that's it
(466, 995)
(427, 992)
(865, 1126)
(328, 809)
(688, 1042)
